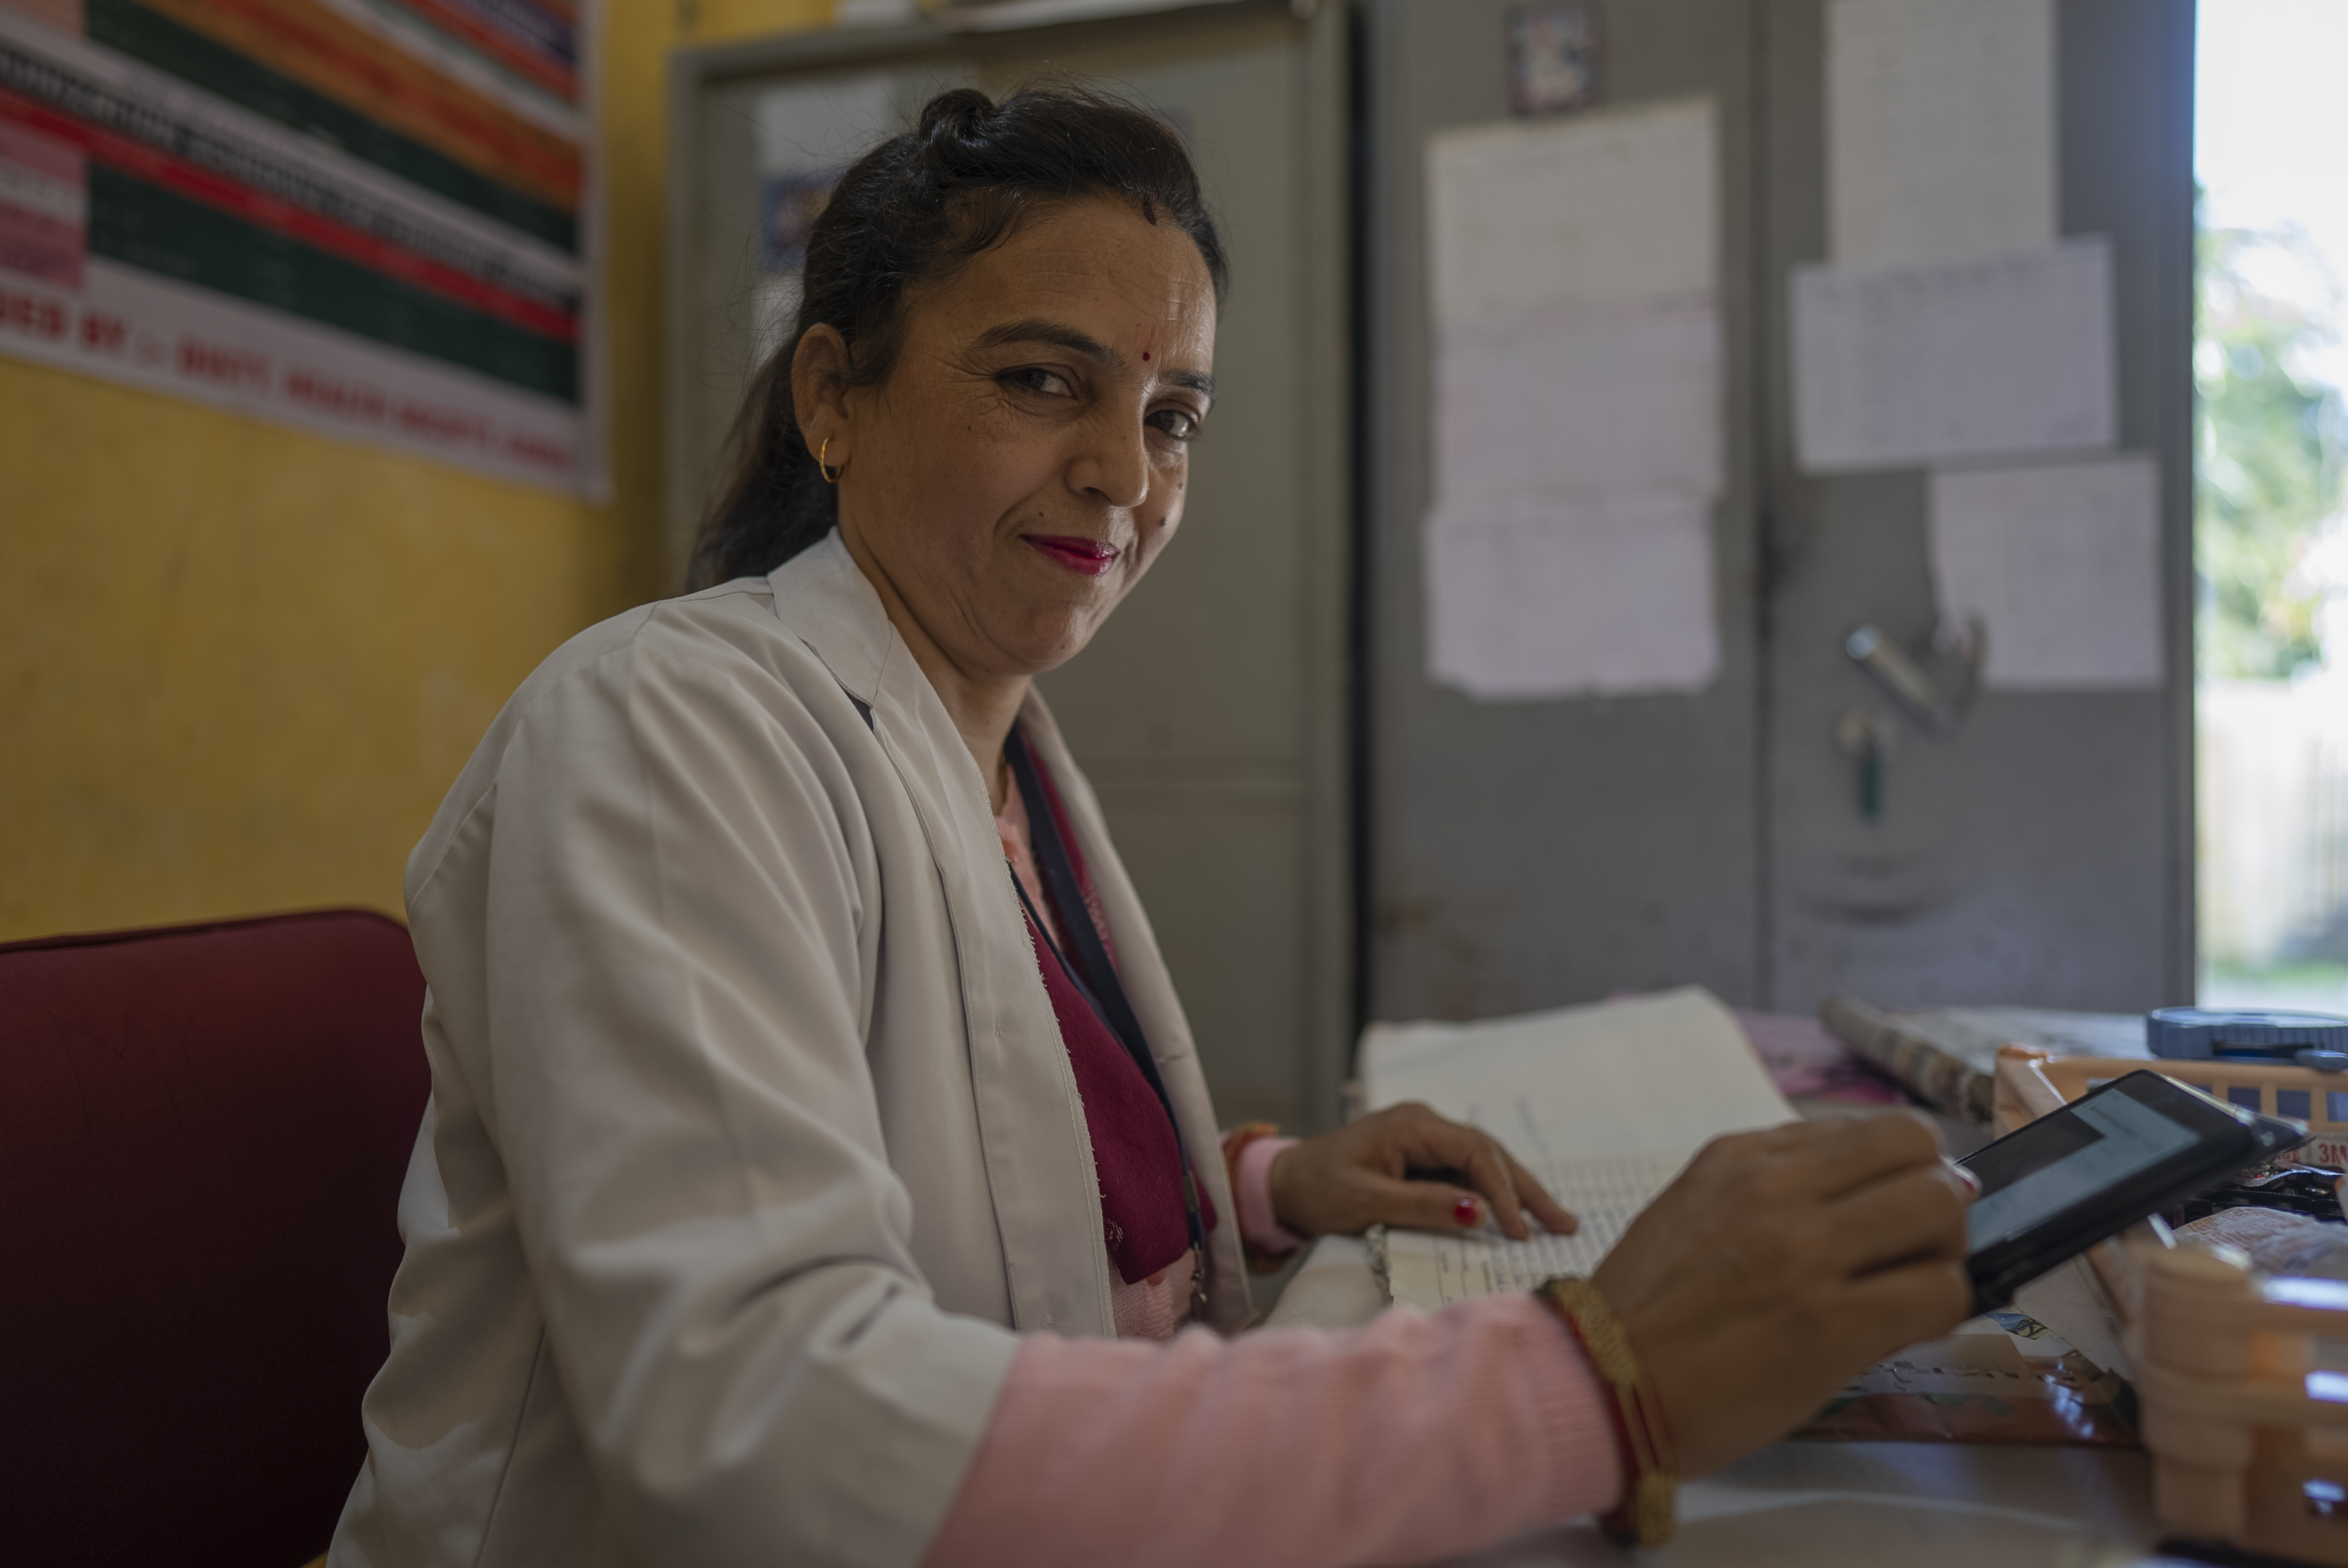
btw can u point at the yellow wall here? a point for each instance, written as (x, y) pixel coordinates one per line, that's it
(239, 666)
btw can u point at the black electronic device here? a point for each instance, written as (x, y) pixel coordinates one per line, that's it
(2123, 1150)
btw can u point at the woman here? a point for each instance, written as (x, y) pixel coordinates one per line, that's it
(801, 1186)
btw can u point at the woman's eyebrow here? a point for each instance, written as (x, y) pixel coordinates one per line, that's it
(1036, 329)
(1198, 381)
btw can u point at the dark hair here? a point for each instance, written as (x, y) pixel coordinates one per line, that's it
(906, 212)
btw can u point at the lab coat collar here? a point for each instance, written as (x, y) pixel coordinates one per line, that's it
(1032, 1133)
(824, 596)
(1042, 1176)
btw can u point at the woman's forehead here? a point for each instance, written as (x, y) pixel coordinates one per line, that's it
(1098, 265)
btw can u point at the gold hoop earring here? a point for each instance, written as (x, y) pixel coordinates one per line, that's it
(830, 476)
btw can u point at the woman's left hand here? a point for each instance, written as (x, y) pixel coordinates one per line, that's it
(1363, 1175)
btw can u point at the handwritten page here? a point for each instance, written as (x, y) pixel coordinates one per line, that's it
(807, 134)
(1565, 594)
(1941, 129)
(1626, 399)
(1900, 366)
(1578, 439)
(1605, 1104)
(2062, 564)
(1644, 1075)
(1430, 1269)
(1529, 217)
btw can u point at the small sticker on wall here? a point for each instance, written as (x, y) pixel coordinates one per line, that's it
(1554, 55)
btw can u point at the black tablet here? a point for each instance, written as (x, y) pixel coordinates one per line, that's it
(2123, 1150)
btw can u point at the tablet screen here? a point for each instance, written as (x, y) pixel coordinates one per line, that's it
(2065, 1157)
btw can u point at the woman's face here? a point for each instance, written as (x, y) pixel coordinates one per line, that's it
(1025, 460)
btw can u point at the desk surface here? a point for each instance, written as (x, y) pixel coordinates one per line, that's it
(1822, 1505)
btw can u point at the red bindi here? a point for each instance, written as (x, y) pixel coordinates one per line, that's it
(1144, 353)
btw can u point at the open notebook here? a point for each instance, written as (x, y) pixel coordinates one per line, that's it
(1603, 1103)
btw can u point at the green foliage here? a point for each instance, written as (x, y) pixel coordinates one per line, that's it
(2269, 457)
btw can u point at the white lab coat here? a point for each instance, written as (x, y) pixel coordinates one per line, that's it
(752, 1144)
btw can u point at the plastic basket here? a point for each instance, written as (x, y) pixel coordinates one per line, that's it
(2302, 1094)
(2247, 1430)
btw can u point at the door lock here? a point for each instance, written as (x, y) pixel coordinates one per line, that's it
(1936, 699)
(1872, 737)
(1939, 706)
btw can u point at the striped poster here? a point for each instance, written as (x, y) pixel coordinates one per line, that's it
(369, 218)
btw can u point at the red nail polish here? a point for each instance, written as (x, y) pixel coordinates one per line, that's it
(1463, 1213)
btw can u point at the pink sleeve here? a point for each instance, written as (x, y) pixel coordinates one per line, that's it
(1415, 1437)
(1252, 1192)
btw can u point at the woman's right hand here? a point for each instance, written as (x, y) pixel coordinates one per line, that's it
(1780, 1264)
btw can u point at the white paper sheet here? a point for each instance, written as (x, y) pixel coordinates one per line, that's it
(1623, 399)
(1432, 1269)
(1604, 1104)
(1578, 439)
(1941, 139)
(1573, 594)
(820, 125)
(1657, 1074)
(2063, 563)
(1908, 365)
(1605, 209)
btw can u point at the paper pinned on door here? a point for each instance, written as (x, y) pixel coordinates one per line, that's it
(2062, 565)
(1588, 400)
(807, 135)
(1577, 458)
(1572, 595)
(1612, 209)
(823, 124)
(1908, 365)
(1941, 140)
(1578, 432)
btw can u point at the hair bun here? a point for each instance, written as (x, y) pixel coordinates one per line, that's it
(955, 114)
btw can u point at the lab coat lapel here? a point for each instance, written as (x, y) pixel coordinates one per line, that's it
(1150, 988)
(1038, 1153)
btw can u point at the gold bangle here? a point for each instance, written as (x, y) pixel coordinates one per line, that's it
(1650, 1503)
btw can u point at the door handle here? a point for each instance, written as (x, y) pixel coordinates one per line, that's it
(1938, 709)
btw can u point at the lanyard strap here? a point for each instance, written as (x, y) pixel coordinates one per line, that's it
(1096, 979)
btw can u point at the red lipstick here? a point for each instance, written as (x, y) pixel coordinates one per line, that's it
(1090, 557)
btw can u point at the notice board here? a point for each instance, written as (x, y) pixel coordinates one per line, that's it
(369, 218)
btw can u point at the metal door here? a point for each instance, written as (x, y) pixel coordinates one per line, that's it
(2042, 855)
(1534, 853)
(1210, 712)
(1528, 854)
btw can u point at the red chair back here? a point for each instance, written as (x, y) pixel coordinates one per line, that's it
(203, 1135)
